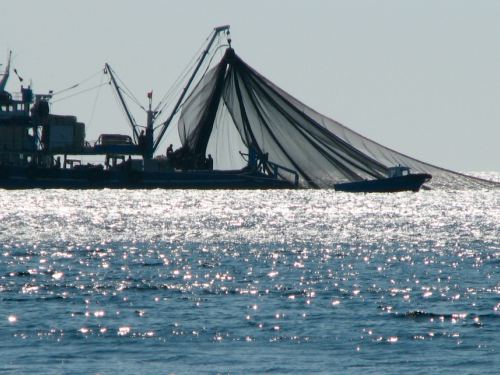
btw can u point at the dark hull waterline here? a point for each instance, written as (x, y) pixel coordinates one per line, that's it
(412, 182)
(29, 178)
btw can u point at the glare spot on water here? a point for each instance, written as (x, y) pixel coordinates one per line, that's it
(122, 331)
(28, 289)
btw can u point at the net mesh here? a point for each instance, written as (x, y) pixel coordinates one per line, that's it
(322, 151)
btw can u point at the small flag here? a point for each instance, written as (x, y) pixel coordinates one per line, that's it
(150, 94)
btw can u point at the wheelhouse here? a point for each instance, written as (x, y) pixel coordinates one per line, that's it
(398, 171)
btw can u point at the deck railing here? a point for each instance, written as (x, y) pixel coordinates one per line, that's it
(277, 167)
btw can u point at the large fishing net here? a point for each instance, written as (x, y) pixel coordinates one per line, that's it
(234, 108)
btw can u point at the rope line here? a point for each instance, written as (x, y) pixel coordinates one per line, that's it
(78, 93)
(78, 84)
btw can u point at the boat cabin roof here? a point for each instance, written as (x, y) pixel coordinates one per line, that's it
(114, 139)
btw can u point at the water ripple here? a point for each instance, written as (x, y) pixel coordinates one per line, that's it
(187, 277)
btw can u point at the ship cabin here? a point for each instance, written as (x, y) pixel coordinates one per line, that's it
(398, 171)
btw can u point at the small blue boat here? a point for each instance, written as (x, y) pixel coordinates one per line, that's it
(399, 179)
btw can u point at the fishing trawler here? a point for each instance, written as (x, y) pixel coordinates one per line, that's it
(42, 150)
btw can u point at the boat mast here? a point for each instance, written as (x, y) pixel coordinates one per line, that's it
(165, 125)
(148, 140)
(5, 77)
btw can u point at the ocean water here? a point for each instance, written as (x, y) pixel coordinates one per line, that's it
(249, 282)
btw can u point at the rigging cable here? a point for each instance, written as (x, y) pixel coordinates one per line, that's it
(128, 92)
(78, 84)
(189, 67)
(124, 113)
(165, 136)
(78, 93)
(181, 77)
(174, 90)
(95, 102)
(208, 64)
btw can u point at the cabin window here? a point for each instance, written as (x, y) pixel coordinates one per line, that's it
(398, 172)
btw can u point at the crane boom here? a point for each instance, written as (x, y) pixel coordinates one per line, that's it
(117, 88)
(165, 125)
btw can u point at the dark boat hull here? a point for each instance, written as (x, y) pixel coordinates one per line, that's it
(412, 182)
(30, 178)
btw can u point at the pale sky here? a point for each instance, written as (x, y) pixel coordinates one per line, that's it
(421, 77)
